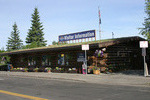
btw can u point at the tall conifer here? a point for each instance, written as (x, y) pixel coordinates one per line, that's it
(35, 34)
(14, 41)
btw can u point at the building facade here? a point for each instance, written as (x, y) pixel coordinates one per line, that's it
(120, 53)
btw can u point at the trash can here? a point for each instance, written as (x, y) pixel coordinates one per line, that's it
(84, 71)
(83, 68)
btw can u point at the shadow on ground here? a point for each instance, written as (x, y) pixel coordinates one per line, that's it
(132, 72)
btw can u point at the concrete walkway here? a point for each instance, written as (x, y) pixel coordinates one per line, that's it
(109, 79)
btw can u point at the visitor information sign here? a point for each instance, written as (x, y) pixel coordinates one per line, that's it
(79, 35)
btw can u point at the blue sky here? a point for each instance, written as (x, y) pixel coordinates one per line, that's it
(122, 17)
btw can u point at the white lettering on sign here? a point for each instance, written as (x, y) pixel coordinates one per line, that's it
(86, 35)
(143, 44)
(79, 35)
(69, 37)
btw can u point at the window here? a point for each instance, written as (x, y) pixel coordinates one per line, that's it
(46, 60)
(67, 59)
(61, 59)
(31, 60)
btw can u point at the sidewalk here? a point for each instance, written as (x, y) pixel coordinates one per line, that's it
(109, 79)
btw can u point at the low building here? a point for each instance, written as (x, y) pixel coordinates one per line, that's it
(121, 53)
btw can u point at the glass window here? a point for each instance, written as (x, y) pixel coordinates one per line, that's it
(67, 59)
(31, 60)
(46, 60)
(61, 59)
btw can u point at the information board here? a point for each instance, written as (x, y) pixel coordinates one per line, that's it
(80, 57)
(79, 35)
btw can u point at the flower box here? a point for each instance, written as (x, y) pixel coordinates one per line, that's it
(96, 72)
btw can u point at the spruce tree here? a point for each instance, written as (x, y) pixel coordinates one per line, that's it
(14, 41)
(35, 34)
(146, 30)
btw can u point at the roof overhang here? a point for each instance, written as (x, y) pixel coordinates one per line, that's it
(77, 46)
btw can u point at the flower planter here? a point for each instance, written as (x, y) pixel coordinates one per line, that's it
(90, 71)
(103, 69)
(96, 72)
(48, 71)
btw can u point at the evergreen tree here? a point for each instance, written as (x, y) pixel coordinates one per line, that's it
(146, 30)
(35, 33)
(14, 41)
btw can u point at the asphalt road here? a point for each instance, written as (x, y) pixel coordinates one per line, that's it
(54, 89)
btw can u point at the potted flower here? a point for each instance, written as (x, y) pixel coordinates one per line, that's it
(61, 70)
(90, 69)
(96, 70)
(13, 69)
(18, 69)
(48, 69)
(35, 69)
(25, 70)
(72, 70)
(56, 70)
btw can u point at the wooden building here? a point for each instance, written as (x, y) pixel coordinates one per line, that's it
(121, 53)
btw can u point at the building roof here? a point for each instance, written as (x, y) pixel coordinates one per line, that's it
(76, 46)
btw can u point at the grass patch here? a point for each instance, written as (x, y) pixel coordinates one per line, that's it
(2, 64)
(61, 45)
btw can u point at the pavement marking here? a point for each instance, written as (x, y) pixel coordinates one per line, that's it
(21, 95)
